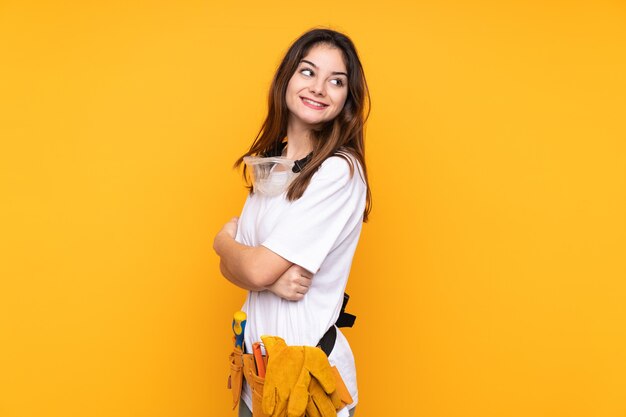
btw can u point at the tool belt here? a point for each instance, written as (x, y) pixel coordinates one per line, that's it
(242, 365)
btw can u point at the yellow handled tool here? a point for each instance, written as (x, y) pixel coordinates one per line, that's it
(239, 326)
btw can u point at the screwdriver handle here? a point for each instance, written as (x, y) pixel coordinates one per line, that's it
(239, 326)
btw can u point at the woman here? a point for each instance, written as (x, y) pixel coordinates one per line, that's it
(293, 245)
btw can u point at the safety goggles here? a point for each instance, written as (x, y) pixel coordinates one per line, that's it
(271, 176)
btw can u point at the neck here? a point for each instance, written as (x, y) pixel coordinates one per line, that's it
(299, 142)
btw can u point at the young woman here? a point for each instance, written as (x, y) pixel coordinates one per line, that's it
(293, 245)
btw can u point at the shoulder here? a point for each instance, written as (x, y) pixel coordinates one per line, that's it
(335, 164)
(336, 175)
(341, 166)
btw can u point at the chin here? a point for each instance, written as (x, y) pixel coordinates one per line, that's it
(313, 122)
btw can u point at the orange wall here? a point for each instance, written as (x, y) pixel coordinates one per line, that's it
(489, 282)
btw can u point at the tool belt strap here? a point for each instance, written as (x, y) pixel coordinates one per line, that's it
(327, 342)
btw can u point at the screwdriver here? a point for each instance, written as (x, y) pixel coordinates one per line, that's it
(239, 325)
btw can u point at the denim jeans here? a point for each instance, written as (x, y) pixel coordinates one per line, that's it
(244, 411)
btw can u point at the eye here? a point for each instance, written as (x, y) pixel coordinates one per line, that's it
(337, 81)
(306, 71)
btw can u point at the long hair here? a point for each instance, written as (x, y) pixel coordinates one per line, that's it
(340, 136)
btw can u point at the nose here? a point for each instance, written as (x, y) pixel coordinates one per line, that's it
(318, 87)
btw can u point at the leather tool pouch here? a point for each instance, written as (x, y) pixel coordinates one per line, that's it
(342, 390)
(235, 379)
(256, 385)
(242, 365)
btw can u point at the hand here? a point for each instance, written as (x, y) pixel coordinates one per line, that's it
(230, 228)
(293, 284)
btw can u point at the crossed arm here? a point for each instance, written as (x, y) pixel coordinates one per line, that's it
(256, 268)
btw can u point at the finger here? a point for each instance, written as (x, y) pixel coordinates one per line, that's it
(295, 291)
(300, 289)
(307, 275)
(297, 294)
(296, 297)
(303, 281)
(304, 272)
(300, 283)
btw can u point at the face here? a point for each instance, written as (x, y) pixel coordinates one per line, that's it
(318, 89)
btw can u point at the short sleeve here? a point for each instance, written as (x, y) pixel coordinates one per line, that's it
(311, 226)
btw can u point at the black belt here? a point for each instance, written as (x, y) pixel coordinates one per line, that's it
(327, 342)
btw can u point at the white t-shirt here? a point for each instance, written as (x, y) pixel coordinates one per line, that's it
(319, 232)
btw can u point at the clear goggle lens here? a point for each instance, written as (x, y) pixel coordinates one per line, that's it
(271, 176)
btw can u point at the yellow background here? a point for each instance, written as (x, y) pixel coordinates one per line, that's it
(489, 282)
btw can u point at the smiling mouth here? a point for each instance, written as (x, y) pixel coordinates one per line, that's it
(313, 104)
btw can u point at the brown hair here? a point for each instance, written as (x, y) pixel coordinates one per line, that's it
(342, 135)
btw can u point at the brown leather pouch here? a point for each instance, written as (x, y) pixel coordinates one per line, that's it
(342, 390)
(235, 379)
(256, 385)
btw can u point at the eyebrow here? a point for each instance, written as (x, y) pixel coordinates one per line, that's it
(315, 66)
